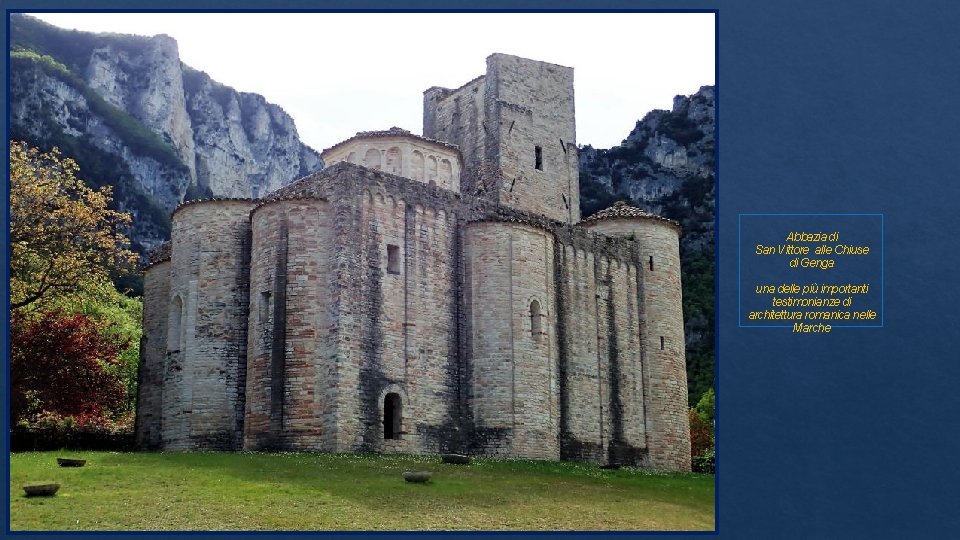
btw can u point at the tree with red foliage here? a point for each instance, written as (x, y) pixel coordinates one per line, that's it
(63, 364)
(701, 435)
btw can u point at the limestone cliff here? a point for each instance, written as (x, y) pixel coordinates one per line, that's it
(666, 166)
(664, 150)
(135, 117)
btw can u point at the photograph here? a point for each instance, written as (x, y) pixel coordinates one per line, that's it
(330, 271)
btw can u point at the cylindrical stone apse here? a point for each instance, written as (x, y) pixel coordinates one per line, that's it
(509, 284)
(291, 362)
(203, 380)
(664, 369)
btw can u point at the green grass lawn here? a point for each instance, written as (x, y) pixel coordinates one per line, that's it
(295, 491)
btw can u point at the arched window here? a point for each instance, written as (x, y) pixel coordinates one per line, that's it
(416, 166)
(394, 161)
(431, 169)
(446, 172)
(535, 316)
(392, 411)
(372, 159)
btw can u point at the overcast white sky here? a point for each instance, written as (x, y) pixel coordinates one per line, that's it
(339, 73)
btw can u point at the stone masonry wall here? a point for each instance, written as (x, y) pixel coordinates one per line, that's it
(499, 120)
(206, 359)
(664, 366)
(502, 332)
(432, 373)
(581, 431)
(602, 410)
(512, 351)
(594, 299)
(397, 318)
(292, 378)
(404, 155)
(153, 349)
(534, 108)
(460, 117)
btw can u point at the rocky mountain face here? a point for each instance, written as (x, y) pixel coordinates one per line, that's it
(135, 117)
(666, 166)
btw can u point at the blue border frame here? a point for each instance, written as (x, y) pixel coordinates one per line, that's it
(740, 260)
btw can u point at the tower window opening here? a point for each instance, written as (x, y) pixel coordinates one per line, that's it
(651, 263)
(393, 259)
(661, 343)
(392, 409)
(536, 327)
(265, 306)
(538, 156)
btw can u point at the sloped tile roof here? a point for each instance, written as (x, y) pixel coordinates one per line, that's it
(622, 210)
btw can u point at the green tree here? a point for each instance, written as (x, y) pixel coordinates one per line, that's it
(63, 236)
(707, 405)
(119, 318)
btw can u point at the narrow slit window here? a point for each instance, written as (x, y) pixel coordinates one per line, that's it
(538, 158)
(536, 327)
(264, 307)
(651, 263)
(661, 343)
(393, 259)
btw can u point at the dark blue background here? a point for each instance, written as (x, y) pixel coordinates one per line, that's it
(829, 107)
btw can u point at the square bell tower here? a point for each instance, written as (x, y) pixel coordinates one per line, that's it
(516, 130)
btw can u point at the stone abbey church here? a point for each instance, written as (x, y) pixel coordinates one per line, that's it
(425, 294)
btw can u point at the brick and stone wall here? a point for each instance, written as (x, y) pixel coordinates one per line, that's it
(602, 413)
(153, 351)
(205, 369)
(509, 302)
(516, 131)
(399, 152)
(398, 310)
(459, 117)
(291, 382)
(664, 366)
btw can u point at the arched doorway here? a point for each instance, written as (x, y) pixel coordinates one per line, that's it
(392, 412)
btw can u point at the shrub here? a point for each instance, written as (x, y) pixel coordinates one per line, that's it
(50, 431)
(705, 407)
(701, 435)
(705, 463)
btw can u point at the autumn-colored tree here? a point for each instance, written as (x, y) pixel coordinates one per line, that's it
(62, 233)
(701, 435)
(63, 364)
